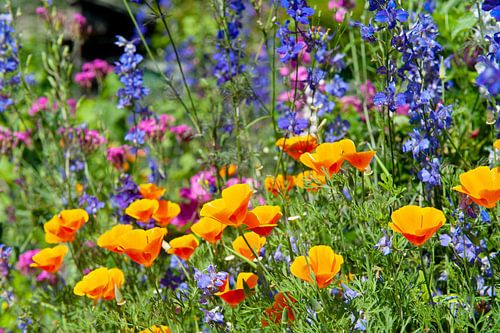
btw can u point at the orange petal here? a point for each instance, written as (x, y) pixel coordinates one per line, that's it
(209, 229)
(361, 160)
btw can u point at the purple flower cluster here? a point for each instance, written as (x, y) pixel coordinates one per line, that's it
(124, 195)
(127, 68)
(489, 77)
(229, 49)
(209, 282)
(9, 78)
(5, 253)
(91, 203)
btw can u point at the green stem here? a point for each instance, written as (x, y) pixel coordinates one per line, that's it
(424, 270)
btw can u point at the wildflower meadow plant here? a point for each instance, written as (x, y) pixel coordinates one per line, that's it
(249, 166)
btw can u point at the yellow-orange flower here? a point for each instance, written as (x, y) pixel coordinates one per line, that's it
(157, 329)
(100, 283)
(328, 158)
(50, 259)
(278, 184)
(228, 170)
(109, 239)
(237, 295)
(417, 224)
(310, 180)
(297, 145)
(151, 191)
(496, 144)
(63, 226)
(263, 219)
(482, 185)
(167, 210)
(254, 240)
(183, 246)
(142, 246)
(274, 313)
(143, 209)
(208, 229)
(322, 261)
(232, 208)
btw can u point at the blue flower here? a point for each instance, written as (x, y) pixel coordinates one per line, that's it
(298, 10)
(289, 48)
(384, 244)
(338, 87)
(127, 68)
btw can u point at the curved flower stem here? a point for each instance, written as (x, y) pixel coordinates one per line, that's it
(426, 277)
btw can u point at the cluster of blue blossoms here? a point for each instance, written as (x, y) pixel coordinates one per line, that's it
(9, 77)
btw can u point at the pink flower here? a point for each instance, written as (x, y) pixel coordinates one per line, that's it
(24, 262)
(79, 19)
(340, 14)
(72, 105)
(42, 103)
(182, 132)
(41, 11)
(117, 156)
(85, 79)
(48, 277)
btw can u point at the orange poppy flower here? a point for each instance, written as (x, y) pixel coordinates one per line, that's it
(151, 191)
(263, 219)
(50, 259)
(63, 226)
(228, 170)
(232, 208)
(142, 246)
(417, 224)
(359, 160)
(297, 145)
(279, 184)
(109, 239)
(208, 229)
(237, 295)
(322, 261)
(166, 212)
(274, 313)
(496, 144)
(157, 329)
(482, 185)
(310, 180)
(100, 283)
(143, 209)
(254, 240)
(328, 157)
(183, 246)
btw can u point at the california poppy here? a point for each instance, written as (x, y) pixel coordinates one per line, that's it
(297, 145)
(482, 185)
(237, 295)
(166, 212)
(322, 261)
(417, 224)
(100, 283)
(157, 329)
(209, 229)
(263, 219)
(274, 313)
(63, 226)
(279, 184)
(142, 246)
(143, 209)
(254, 240)
(50, 259)
(151, 191)
(310, 180)
(232, 208)
(228, 170)
(109, 239)
(328, 157)
(496, 144)
(183, 246)
(359, 160)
